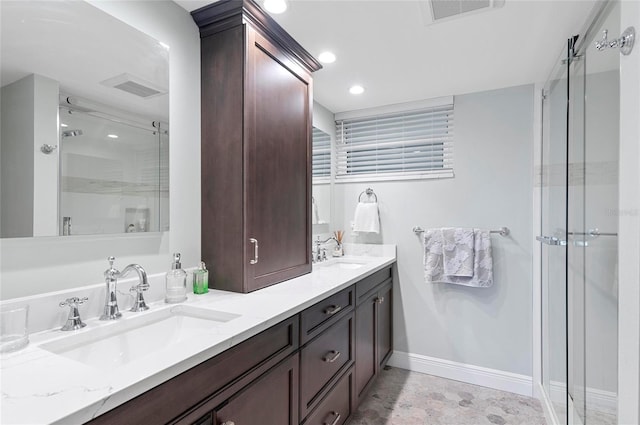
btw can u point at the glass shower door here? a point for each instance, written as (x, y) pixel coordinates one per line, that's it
(553, 181)
(579, 182)
(593, 225)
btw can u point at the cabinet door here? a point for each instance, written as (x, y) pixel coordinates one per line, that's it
(365, 343)
(385, 324)
(277, 165)
(271, 400)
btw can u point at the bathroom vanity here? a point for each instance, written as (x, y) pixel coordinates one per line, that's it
(307, 369)
(300, 352)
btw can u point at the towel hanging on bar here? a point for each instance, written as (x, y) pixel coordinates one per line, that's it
(434, 271)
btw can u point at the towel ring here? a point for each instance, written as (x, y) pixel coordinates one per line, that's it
(369, 192)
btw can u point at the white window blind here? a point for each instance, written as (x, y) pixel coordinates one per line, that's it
(321, 159)
(416, 143)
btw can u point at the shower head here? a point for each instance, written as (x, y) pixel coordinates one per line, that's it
(71, 133)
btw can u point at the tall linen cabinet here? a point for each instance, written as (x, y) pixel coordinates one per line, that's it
(257, 99)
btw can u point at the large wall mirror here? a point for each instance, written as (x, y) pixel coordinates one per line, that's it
(321, 172)
(84, 145)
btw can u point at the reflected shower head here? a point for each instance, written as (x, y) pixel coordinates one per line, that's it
(71, 133)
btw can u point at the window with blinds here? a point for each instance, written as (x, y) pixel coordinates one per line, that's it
(321, 159)
(410, 144)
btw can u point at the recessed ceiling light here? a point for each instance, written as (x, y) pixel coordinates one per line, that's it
(327, 57)
(112, 136)
(63, 125)
(356, 90)
(275, 6)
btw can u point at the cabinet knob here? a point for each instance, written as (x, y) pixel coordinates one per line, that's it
(335, 420)
(331, 356)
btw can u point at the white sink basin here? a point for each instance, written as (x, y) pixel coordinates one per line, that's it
(343, 263)
(132, 338)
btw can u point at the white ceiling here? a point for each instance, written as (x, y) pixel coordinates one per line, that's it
(386, 47)
(78, 45)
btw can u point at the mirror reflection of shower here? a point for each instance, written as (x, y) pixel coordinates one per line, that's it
(114, 170)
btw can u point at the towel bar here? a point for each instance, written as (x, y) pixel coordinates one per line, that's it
(503, 231)
(368, 192)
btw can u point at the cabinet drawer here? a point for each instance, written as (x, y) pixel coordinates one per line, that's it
(335, 408)
(324, 358)
(229, 371)
(370, 282)
(320, 316)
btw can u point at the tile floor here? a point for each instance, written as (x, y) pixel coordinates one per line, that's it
(400, 397)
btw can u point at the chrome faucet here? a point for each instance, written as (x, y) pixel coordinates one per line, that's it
(320, 254)
(111, 276)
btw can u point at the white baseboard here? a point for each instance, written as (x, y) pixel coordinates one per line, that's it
(477, 375)
(604, 401)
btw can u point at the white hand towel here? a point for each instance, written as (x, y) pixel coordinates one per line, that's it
(482, 260)
(366, 218)
(315, 219)
(457, 251)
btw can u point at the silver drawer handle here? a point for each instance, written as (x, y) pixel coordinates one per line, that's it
(551, 240)
(255, 253)
(332, 356)
(379, 300)
(335, 421)
(332, 310)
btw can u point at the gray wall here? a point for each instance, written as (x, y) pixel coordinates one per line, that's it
(492, 188)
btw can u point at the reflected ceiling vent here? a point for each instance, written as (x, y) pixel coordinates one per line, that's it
(134, 85)
(443, 10)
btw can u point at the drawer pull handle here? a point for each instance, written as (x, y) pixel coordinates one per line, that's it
(228, 423)
(336, 420)
(255, 255)
(380, 300)
(332, 310)
(332, 356)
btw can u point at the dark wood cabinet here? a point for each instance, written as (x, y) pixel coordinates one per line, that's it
(272, 399)
(257, 96)
(374, 327)
(336, 407)
(384, 333)
(365, 345)
(323, 360)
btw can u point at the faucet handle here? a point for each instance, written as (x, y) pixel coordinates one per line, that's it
(74, 321)
(73, 301)
(111, 272)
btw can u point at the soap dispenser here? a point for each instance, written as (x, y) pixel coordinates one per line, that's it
(201, 279)
(176, 285)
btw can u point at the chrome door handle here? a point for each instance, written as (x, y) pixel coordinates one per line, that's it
(551, 240)
(255, 251)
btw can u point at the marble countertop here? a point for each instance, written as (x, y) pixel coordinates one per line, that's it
(40, 387)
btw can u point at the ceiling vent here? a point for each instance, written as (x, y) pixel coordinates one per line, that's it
(134, 85)
(435, 11)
